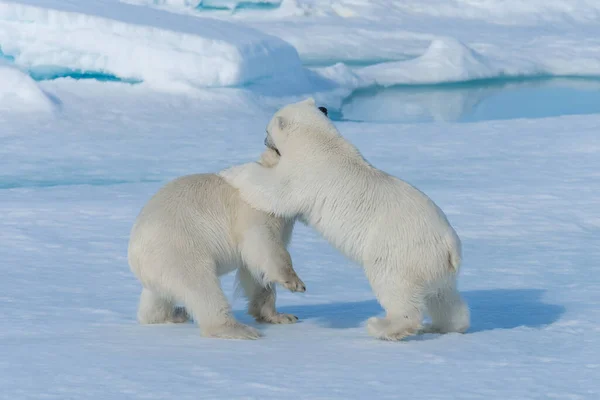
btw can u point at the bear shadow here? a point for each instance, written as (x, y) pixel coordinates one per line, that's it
(490, 309)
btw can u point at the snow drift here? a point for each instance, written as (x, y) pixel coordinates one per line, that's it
(166, 51)
(19, 92)
(446, 60)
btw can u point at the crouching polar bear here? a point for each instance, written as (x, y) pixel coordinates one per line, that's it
(409, 251)
(196, 228)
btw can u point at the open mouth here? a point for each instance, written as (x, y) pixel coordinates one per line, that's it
(271, 146)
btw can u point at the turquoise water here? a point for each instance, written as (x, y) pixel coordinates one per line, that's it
(243, 5)
(6, 56)
(50, 73)
(493, 99)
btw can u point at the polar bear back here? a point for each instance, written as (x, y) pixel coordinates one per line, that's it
(197, 216)
(368, 213)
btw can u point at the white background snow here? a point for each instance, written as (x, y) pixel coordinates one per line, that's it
(79, 158)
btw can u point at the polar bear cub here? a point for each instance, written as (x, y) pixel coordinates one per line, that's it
(196, 228)
(404, 242)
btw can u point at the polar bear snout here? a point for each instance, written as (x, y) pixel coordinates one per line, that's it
(269, 143)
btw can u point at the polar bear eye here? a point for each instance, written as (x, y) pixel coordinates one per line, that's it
(323, 110)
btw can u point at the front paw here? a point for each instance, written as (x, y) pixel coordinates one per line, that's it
(232, 330)
(293, 283)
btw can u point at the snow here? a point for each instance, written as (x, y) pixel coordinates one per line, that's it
(509, 12)
(19, 92)
(213, 5)
(125, 41)
(514, 38)
(188, 49)
(79, 158)
(444, 61)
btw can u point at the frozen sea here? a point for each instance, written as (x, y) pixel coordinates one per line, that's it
(491, 108)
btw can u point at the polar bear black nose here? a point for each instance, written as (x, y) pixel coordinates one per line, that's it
(323, 110)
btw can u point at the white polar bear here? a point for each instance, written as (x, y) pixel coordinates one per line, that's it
(404, 242)
(195, 229)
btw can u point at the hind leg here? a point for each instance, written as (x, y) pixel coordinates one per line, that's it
(204, 298)
(448, 311)
(156, 309)
(403, 302)
(261, 300)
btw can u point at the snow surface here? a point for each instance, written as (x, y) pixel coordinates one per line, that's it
(190, 49)
(79, 158)
(164, 50)
(213, 5)
(19, 92)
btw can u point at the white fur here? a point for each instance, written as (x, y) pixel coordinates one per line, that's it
(409, 251)
(197, 228)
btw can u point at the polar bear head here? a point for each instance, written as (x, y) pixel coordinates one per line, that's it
(290, 126)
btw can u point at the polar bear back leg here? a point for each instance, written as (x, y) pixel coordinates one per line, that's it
(201, 292)
(448, 311)
(261, 299)
(156, 309)
(403, 300)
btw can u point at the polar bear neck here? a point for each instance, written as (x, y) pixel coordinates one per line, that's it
(326, 143)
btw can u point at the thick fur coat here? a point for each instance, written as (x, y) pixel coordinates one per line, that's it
(410, 253)
(197, 228)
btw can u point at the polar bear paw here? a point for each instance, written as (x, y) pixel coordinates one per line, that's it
(278, 318)
(391, 329)
(432, 328)
(294, 285)
(290, 280)
(232, 330)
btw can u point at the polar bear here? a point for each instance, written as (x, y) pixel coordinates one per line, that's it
(196, 228)
(404, 242)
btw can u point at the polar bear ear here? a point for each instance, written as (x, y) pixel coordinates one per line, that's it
(281, 122)
(310, 101)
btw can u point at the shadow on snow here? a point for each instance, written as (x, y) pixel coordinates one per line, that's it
(490, 309)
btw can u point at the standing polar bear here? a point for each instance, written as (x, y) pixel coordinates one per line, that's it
(404, 242)
(196, 228)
